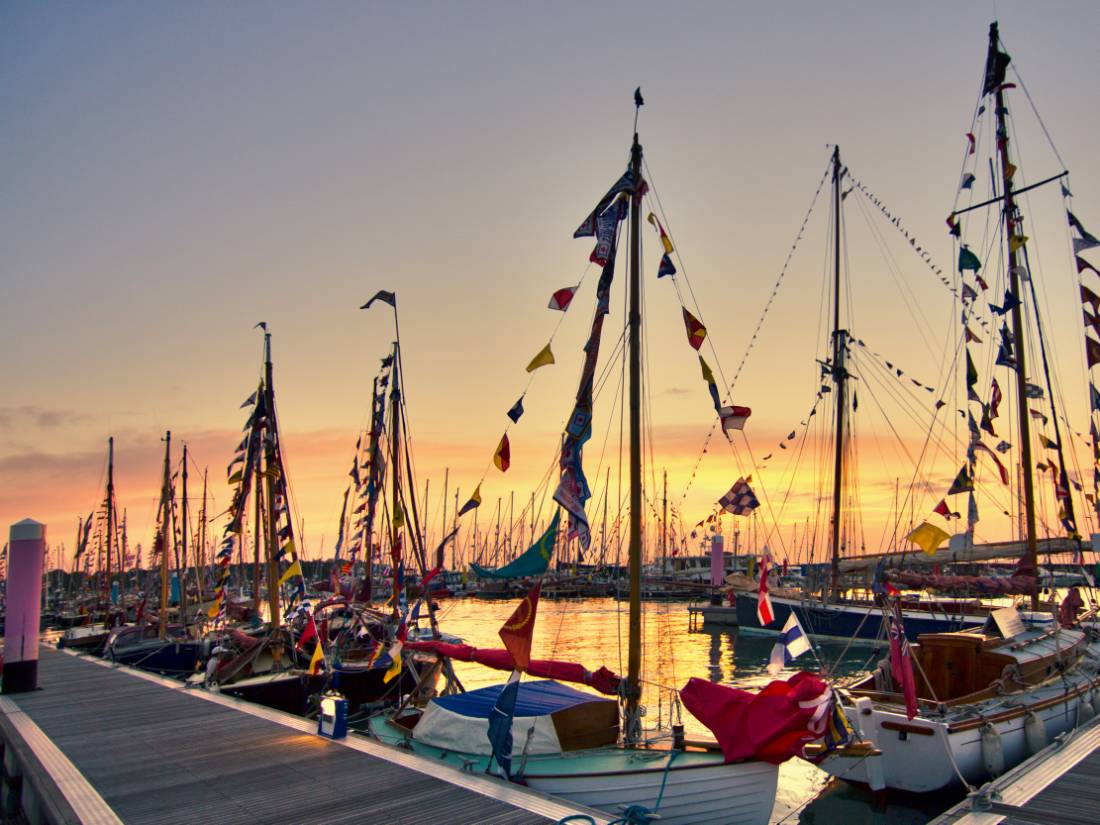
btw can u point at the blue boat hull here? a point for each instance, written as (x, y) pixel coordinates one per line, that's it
(843, 622)
(165, 657)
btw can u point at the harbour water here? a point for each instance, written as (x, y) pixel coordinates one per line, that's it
(593, 632)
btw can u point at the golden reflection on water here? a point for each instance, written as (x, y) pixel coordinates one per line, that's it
(593, 632)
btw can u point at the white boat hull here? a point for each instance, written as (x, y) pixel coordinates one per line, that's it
(738, 794)
(921, 763)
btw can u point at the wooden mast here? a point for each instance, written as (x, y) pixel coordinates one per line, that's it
(1011, 220)
(395, 474)
(271, 469)
(202, 540)
(110, 517)
(633, 689)
(182, 574)
(257, 529)
(165, 509)
(840, 376)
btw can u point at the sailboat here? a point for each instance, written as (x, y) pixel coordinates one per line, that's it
(583, 747)
(106, 610)
(963, 707)
(154, 642)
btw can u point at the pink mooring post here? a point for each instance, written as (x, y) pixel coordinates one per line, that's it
(717, 561)
(27, 542)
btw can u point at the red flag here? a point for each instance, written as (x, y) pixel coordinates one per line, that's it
(944, 510)
(696, 332)
(561, 299)
(502, 458)
(995, 399)
(517, 630)
(771, 725)
(309, 632)
(901, 661)
(764, 612)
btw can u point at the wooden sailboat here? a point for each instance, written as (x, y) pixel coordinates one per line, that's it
(985, 700)
(155, 642)
(574, 744)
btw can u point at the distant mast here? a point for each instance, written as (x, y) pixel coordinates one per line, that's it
(162, 536)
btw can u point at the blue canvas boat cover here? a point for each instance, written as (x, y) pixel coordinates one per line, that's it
(538, 698)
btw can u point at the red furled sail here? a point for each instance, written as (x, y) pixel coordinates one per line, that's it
(602, 680)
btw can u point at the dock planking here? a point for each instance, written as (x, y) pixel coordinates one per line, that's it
(1060, 785)
(159, 754)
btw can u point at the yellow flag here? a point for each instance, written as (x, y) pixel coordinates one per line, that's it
(215, 608)
(1010, 170)
(1016, 241)
(318, 657)
(233, 479)
(398, 516)
(294, 570)
(395, 668)
(708, 376)
(928, 537)
(544, 357)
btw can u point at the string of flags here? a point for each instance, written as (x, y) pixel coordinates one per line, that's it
(895, 221)
(825, 175)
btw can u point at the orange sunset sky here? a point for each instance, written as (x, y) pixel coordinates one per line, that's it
(175, 173)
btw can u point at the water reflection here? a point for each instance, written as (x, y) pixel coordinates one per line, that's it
(593, 632)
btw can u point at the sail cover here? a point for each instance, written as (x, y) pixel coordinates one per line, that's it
(532, 563)
(545, 711)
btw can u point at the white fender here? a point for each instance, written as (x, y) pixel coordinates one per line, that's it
(1084, 708)
(993, 755)
(1035, 732)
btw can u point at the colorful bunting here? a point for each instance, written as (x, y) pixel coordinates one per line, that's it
(665, 267)
(740, 499)
(928, 537)
(712, 385)
(544, 357)
(561, 298)
(734, 418)
(962, 483)
(968, 260)
(502, 458)
(696, 332)
(665, 241)
(516, 411)
(473, 503)
(1092, 351)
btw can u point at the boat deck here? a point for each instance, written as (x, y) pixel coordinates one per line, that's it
(124, 746)
(1060, 785)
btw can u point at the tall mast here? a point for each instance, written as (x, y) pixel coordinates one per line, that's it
(634, 324)
(443, 523)
(664, 524)
(110, 515)
(270, 469)
(395, 474)
(182, 575)
(165, 509)
(257, 532)
(1011, 219)
(202, 539)
(840, 375)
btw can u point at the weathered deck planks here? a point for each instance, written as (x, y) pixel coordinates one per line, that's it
(1060, 785)
(159, 754)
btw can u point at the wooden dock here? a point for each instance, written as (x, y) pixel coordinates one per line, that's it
(103, 744)
(1060, 785)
